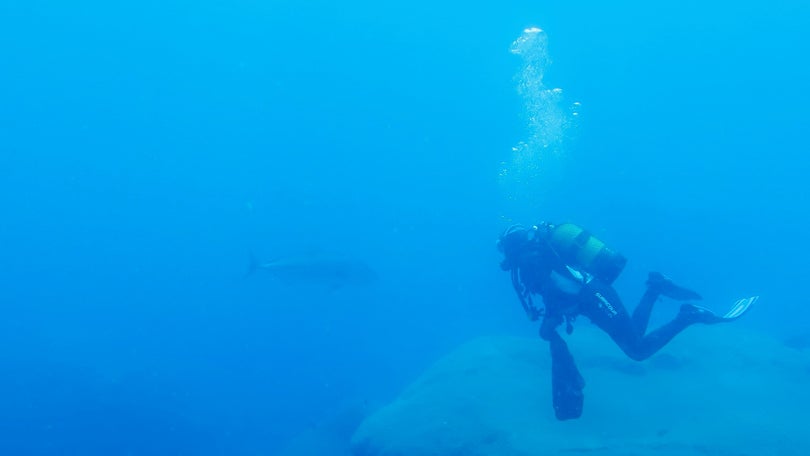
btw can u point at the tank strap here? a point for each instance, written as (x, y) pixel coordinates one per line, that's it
(579, 241)
(582, 237)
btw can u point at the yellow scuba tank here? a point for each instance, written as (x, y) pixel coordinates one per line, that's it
(581, 250)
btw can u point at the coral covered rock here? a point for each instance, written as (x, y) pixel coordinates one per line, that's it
(714, 390)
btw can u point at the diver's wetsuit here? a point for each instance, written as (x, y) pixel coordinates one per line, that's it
(600, 303)
(567, 293)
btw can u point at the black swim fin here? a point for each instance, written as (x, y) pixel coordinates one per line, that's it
(698, 314)
(566, 382)
(670, 289)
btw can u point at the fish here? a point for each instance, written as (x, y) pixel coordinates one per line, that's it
(332, 271)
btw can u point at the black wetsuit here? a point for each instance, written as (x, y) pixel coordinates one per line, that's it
(568, 293)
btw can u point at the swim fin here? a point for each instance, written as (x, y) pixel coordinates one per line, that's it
(703, 315)
(740, 307)
(566, 382)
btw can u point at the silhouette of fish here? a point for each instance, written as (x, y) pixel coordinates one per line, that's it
(333, 271)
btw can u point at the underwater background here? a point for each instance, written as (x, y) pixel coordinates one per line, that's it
(148, 148)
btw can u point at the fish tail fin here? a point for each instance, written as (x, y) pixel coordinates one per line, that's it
(253, 265)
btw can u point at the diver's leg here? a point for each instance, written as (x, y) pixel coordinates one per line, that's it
(602, 306)
(658, 285)
(600, 303)
(548, 327)
(688, 316)
(641, 315)
(657, 339)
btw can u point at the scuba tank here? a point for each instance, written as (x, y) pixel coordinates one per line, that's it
(581, 250)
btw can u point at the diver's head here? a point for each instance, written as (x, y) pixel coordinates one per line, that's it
(517, 241)
(512, 243)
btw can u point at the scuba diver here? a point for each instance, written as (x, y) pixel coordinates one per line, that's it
(573, 271)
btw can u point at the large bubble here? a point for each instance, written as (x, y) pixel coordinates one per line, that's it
(548, 118)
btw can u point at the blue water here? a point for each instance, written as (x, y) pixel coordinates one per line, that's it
(147, 147)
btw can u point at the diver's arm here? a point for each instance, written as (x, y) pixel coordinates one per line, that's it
(528, 306)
